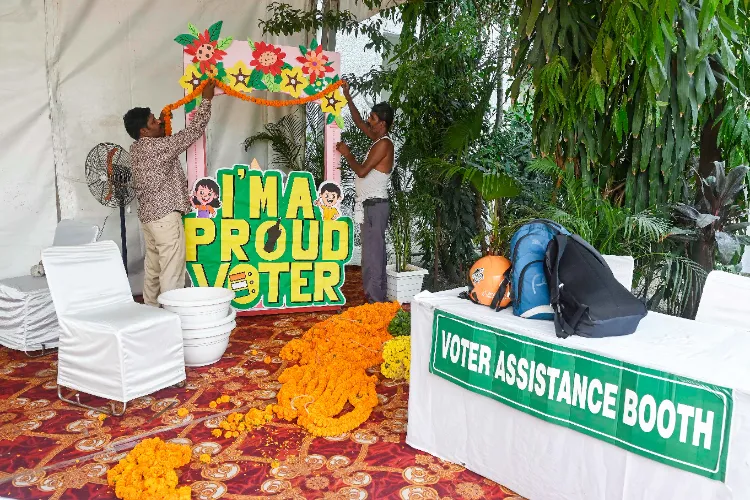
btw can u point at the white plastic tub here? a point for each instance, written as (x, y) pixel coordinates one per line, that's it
(207, 353)
(197, 305)
(213, 328)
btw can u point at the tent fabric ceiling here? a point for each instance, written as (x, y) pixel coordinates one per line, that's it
(73, 67)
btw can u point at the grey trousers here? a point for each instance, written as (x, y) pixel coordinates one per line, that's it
(374, 256)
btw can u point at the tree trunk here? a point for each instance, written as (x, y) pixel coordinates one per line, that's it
(709, 149)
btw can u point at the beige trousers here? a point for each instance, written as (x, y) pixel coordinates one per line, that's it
(165, 257)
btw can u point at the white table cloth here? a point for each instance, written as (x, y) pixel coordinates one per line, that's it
(542, 460)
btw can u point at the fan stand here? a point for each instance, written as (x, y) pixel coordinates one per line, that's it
(123, 237)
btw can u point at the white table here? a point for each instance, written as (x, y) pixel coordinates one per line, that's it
(543, 460)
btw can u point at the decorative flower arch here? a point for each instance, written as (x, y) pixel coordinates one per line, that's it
(307, 74)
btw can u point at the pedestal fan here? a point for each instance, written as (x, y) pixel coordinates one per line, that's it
(109, 179)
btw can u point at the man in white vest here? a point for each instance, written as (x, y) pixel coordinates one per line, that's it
(372, 208)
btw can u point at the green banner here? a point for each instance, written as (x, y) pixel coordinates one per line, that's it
(673, 420)
(276, 244)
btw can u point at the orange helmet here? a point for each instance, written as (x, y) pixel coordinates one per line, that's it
(489, 282)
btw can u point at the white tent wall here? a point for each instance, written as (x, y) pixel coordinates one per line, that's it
(97, 59)
(27, 174)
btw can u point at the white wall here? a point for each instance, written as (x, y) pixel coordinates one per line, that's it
(73, 68)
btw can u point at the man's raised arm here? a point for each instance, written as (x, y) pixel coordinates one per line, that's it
(179, 142)
(358, 121)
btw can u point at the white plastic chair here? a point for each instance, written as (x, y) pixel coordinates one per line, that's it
(110, 346)
(725, 301)
(622, 267)
(27, 316)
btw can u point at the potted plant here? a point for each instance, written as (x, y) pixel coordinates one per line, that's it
(404, 279)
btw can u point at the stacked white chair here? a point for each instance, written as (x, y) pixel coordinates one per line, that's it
(725, 301)
(27, 316)
(110, 346)
(622, 267)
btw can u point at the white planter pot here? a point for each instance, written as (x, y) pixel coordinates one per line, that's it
(404, 286)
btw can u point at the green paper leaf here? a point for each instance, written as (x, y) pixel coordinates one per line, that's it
(224, 44)
(329, 63)
(193, 30)
(314, 44)
(185, 39)
(277, 79)
(303, 49)
(256, 80)
(339, 121)
(191, 105)
(287, 66)
(215, 30)
(330, 119)
(332, 80)
(311, 90)
(251, 43)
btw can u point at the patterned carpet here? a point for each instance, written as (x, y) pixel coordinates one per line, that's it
(51, 450)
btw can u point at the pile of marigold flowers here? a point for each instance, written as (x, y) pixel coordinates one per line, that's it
(332, 358)
(240, 422)
(397, 358)
(148, 472)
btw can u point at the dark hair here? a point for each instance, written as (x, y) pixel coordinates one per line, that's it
(210, 184)
(135, 120)
(330, 187)
(384, 111)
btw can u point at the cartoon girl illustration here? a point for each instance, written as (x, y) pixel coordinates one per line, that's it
(205, 198)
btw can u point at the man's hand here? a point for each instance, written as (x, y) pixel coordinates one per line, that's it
(162, 115)
(345, 88)
(343, 149)
(208, 90)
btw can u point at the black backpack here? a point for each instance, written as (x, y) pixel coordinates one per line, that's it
(585, 295)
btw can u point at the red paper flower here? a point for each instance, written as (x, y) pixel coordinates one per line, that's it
(314, 64)
(267, 58)
(204, 51)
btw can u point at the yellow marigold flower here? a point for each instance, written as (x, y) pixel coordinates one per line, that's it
(275, 463)
(205, 458)
(267, 359)
(182, 412)
(216, 433)
(101, 417)
(227, 434)
(225, 398)
(212, 404)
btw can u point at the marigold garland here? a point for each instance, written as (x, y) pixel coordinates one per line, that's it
(166, 112)
(397, 358)
(148, 472)
(333, 356)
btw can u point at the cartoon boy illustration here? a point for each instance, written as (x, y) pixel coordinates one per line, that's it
(329, 195)
(205, 198)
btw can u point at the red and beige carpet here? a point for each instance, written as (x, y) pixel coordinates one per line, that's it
(51, 450)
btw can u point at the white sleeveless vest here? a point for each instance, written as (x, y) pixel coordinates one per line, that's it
(373, 185)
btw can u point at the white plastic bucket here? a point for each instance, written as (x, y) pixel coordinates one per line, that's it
(193, 329)
(205, 353)
(197, 304)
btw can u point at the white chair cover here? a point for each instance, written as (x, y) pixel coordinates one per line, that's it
(622, 267)
(110, 346)
(27, 316)
(725, 301)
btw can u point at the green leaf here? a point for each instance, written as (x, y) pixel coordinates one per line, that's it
(185, 39)
(193, 30)
(192, 104)
(224, 44)
(311, 90)
(708, 9)
(690, 27)
(314, 44)
(303, 50)
(256, 80)
(330, 119)
(536, 9)
(251, 43)
(340, 122)
(215, 30)
(286, 65)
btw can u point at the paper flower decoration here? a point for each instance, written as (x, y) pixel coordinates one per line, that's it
(315, 64)
(239, 77)
(205, 52)
(293, 81)
(191, 79)
(268, 58)
(332, 103)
